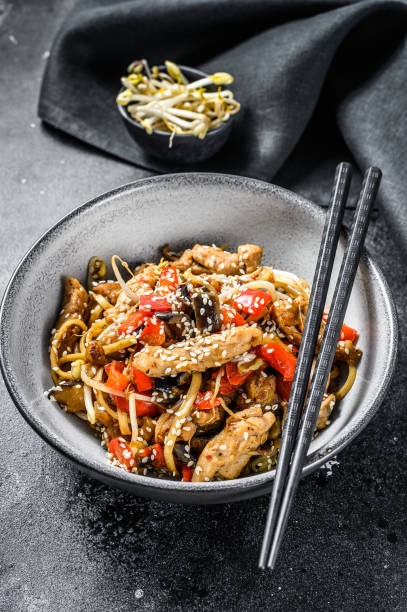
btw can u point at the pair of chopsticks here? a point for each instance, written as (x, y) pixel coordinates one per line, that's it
(297, 437)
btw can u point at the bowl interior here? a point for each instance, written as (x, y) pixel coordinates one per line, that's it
(135, 221)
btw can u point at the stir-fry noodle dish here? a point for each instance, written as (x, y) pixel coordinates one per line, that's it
(184, 368)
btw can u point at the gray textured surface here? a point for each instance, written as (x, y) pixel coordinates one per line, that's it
(70, 544)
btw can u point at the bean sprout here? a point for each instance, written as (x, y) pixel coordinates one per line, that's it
(168, 102)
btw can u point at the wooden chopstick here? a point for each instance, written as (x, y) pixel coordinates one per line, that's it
(320, 284)
(326, 354)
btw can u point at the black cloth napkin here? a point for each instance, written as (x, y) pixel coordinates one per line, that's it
(318, 82)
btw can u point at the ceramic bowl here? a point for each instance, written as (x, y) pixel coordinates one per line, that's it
(186, 148)
(136, 220)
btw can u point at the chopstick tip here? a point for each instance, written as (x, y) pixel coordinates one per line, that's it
(344, 166)
(271, 563)
(374, 171)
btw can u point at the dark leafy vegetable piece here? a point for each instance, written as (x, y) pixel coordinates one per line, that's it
(164, 384)
(198, 443)
(170, 317)
(166, 388)
(181, 454)
(184, 294)
(184, 378)
(166, 251)
(96, 271)
(171, 386)
(259, 464)
(178, 325)
(69, 395)
(207, 311)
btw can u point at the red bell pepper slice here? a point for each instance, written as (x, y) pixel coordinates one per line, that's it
(252, 301)
(133, 322)
(225, 386)
(187, 472)
(283, 387)
(281, 360)
(119, 448)
(235, 377)
(169, 279)
(206, 401)
(290, 346)
(231, 318)
(115, 378)
(156, 454)
(146, 408)
(153, 333)
(153, 303)
(347, 333)
(142, 408)
(121, 403)
(117, 365)
(142, 381)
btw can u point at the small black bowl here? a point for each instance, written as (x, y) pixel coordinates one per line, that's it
(186, 148)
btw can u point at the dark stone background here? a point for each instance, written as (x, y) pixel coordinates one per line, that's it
(70, 544)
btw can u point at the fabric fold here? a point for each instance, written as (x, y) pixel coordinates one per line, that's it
(293, 64)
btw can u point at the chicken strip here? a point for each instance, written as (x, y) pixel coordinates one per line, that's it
(110, 291)
(207, 420)
(250, 255)
(143, 281)
(347, 351)
(325, 412)
(186, 261)
(164, 424)
(227, 453)
(75, 305)
(95, 354)
(216, 260)
(261, 389)
(197, 354)
(290, 317)
(146, 273)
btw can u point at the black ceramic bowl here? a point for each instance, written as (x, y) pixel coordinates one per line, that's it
(186, 148)
(181, 209)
